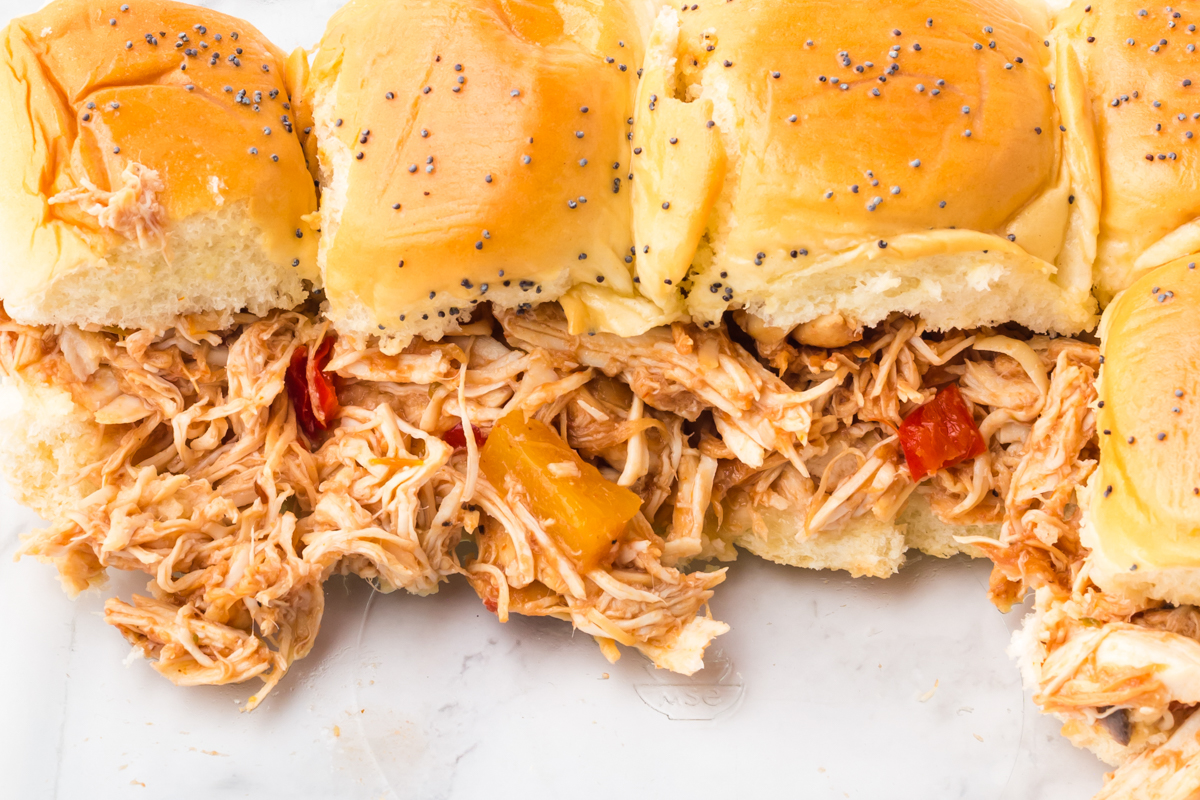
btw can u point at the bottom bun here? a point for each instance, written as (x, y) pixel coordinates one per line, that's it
(46, 442)
(864, 547)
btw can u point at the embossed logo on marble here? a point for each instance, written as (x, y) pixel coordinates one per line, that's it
(713, 692)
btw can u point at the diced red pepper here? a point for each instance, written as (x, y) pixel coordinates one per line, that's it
(456, 437)
(939, 434)
(311, 389)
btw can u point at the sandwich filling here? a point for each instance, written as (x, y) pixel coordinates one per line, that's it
(586, 478)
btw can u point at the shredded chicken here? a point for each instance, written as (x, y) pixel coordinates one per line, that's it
(203, 491)
(818, 433)
(1181, 620)
(1040, 539)
(132, 210)
(753, 409)
(212, 489)
(1170, 771)
(1122, 675)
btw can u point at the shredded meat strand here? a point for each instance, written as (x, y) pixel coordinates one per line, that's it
(211, 490)
(131, 211)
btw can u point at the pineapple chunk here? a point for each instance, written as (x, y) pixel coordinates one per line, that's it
(582, 512)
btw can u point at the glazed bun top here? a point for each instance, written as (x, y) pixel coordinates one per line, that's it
(480, 155)
(1140, 64)
(1145, 497)
(151, 167)
(875, 158)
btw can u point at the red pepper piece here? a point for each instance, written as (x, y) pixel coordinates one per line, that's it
(456, 437)
(939, 434)
(311, 389)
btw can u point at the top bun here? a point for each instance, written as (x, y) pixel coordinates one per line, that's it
(1144, 499)
(904, 157)
(1140, 67)
(150, 169)
(481, 154)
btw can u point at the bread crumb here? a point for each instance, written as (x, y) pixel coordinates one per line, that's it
(977, 736)
(604, 676)
(337, 731)
(923, 698)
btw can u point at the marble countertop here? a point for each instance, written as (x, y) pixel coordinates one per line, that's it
(825, 688)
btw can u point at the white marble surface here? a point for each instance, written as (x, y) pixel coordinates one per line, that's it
(816, 693)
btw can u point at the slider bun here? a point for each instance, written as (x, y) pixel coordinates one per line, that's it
(1143, 501)
(525, 73)
(46, 443)
(1013, 240)
(148, 204)
(864, 546)
(1150, 207)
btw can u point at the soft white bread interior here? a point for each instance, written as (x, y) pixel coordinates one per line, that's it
(46, 443)
(906, 157)
(483, 155)
(863, 546)
(1143, 502)
(151, 168)
(1138, 65)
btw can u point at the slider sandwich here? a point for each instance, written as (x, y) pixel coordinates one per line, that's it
(778, 367)
(472, 174)
(892, 209)
(1112, 647)
(137, 192)
(1113, 644)
(606, 291)
(155, 195)
(188, 410)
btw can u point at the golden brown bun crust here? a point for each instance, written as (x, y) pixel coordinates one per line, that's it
(499, 129)
(1145, 498)
(1151, 181)
(870, 140)
(840, 135)
(90, 89)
